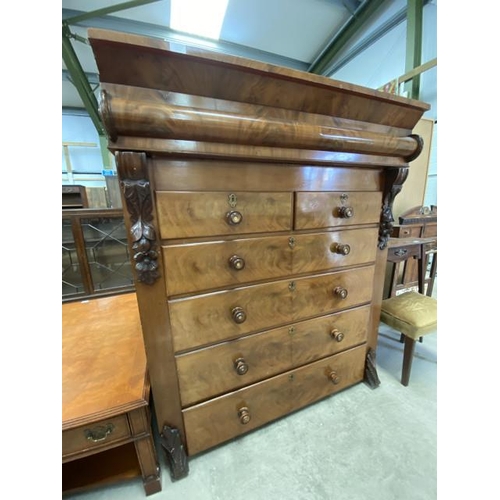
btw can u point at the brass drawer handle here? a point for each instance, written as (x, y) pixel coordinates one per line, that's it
(237, 263)
(346, 212)
(342, 249)
(244, 415)
(337, 335)
(239, 315)
(400, 252)
(340, 292)
(240, 366)
(234, 217)
(99, 433)
(334, 377)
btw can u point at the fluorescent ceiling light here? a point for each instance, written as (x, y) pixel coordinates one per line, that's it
(198, 17)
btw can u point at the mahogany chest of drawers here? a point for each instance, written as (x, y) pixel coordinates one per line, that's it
(258, 201)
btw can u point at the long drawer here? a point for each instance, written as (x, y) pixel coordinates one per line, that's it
(200, 266)
(228, 366)
(195, 214)
(210, 318)
(236, 413)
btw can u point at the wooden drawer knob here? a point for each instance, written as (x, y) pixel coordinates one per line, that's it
(240, 366)
(340, 248)
(239, 315)
(340, 292)
(237, 263)
(346, 212)
(233, 218)
(337, 335)
(334, 377)
(244, 415)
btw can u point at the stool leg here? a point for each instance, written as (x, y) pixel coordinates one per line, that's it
(407, 360)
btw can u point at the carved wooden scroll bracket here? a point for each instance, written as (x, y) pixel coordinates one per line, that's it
(136, 190)
(371, 375)
(172, 444)
(395, 177)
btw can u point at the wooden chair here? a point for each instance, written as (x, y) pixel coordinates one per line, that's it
(414, 314)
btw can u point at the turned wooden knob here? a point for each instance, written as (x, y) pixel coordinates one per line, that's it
(342, 249)
(346, 212)
(337, 335)
(334, 377)
(244, 415)
(236, 262)
(239, 315)
(240, 366)
(340, 292)
(234, 218)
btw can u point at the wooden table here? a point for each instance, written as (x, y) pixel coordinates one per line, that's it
(106, 424)
(402, 251)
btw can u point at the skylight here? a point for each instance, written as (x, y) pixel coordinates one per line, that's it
(198, 17)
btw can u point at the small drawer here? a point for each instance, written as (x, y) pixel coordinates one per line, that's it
(197, 214)
(334, 209)
(231, 365)
(95, 435)
(236, 413)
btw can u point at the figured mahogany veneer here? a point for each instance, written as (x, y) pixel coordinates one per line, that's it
(259, 204)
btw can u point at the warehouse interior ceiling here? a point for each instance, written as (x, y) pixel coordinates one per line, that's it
(317, 36)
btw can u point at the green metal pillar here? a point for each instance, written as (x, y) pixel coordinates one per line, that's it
(414, 45)
(321, 65)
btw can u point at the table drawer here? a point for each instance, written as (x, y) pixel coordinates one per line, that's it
(95, 435)
(201, 266)
(334, 209)
(196, 214)
(236, 413)
(210, 318)
(225, 367)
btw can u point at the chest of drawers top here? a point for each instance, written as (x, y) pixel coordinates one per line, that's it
(258, 201)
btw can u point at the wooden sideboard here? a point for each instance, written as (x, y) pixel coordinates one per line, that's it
(258, 202)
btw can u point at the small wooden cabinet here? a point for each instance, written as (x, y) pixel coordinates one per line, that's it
(106, 423)
(258, 202)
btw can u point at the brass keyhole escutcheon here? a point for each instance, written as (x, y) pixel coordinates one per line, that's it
(292, 286)
(232, 200)
(291, 242)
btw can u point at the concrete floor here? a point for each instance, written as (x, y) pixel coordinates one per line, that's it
(361, 444)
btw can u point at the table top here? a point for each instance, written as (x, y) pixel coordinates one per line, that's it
(103, 359)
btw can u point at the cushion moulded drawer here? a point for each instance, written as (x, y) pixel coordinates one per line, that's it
(198, 214)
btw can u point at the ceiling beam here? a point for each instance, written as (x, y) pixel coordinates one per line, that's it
(164, 33)
(323, 62)
(79, 80)
(414, 45)
(106, 10)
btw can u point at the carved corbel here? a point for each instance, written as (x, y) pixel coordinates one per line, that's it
(136, 190)
(395, 177)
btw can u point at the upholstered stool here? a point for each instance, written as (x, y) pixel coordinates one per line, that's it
(414, 315)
